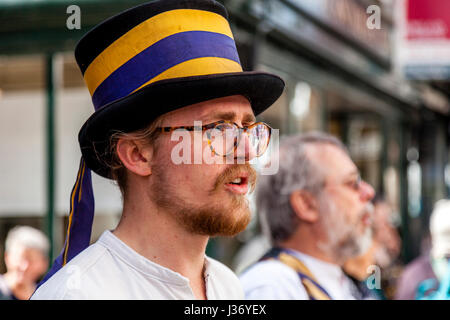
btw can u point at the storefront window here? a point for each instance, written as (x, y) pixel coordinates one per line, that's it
(305, 108)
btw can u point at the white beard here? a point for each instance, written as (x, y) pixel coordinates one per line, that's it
(343, 242)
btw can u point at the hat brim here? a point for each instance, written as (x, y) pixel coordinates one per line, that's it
(139, 109)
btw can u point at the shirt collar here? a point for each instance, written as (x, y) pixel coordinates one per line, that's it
(322, 270)
(139, 262)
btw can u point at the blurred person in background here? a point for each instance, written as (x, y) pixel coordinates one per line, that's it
(424, 275)
(381, 255)
(316, 211)
(250, 252)
(26, 260)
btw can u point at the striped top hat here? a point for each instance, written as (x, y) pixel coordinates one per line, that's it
(158, 57)
(144, 62)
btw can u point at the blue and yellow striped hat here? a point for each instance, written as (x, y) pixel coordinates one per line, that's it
(158, 57)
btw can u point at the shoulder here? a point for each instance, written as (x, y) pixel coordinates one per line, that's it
(268, 271)
(81, 272)
(421, 264)
(417, 270)
(271, 279)
(412, 275)
(224, 280)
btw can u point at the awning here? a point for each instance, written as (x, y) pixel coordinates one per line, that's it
(40, 26)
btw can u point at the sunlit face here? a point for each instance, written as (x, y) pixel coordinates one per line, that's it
(207, 199)
(26, 265)
(345, 203)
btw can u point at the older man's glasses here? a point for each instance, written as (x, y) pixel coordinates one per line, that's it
(224, 137)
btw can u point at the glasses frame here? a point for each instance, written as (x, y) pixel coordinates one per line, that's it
(212, 125)
(355, 185)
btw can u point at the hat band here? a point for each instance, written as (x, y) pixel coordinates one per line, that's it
(148, 33)
(165, 54)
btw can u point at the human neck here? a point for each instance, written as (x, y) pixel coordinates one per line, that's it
(154, 234)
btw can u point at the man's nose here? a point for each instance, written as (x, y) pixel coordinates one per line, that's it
(245, 150)
(366, 192)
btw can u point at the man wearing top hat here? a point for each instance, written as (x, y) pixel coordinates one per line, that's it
(159, 68)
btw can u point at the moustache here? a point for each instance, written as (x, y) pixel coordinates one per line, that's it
(367, 211)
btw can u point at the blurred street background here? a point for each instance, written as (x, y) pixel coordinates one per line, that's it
(376, 74)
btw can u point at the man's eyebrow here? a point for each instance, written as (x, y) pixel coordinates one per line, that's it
(248, 118)
(231, 116)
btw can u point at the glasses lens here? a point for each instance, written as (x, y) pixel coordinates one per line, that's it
(259, 138)
(223, 138)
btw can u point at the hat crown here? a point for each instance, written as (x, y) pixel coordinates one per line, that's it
(156, 41)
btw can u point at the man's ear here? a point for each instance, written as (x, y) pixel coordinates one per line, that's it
(304, 205)
(135, 156)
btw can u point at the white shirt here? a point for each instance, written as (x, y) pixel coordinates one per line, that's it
(272, 279)
(109, 269)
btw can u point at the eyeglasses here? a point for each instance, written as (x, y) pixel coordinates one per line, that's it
(355, 184)
(224, 136)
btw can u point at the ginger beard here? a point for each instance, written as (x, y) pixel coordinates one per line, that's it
(221, 216)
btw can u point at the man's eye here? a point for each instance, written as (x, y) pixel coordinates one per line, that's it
(353, 184)
(357, 184)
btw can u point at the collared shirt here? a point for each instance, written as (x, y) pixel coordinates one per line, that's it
(272, 279)
(109, 269)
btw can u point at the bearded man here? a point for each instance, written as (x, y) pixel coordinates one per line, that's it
(158, 72)
(316, 211)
